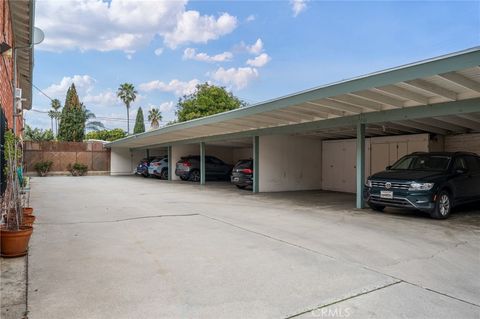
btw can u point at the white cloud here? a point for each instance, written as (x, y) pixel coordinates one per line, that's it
(259, 61)
(83, 84)
(191, 54)
(125, 25)
(298, 6)
(237, 77)
(194, 28)
(250, 18)
(255, 48)
(175, 86)
(158, 51)
(106, 98)
(167, 107)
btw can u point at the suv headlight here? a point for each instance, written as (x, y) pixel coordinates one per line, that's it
(420, 186)
(368, 183)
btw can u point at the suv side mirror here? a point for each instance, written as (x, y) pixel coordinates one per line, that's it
(388, 167)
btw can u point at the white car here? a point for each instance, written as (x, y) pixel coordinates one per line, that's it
(159, 168)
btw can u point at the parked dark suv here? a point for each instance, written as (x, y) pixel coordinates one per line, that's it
(188, 168)
(430, 182)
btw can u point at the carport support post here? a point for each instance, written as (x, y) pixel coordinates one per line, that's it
(256, 148)
(360, 164)
(169, 167)
(202, 163)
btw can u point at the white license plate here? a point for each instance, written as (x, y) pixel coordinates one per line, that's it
(236, 179)
(386, 194)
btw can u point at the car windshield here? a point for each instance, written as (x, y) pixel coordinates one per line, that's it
(422, 163)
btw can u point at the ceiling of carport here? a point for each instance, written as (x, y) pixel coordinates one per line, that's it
(443, 125)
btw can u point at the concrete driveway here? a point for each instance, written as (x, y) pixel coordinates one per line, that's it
(128, 247)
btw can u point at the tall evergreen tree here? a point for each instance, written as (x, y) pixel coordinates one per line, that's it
(139, 123)
(72, 120)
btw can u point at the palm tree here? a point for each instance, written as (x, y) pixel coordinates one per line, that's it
(126, 92)
(55, 113)
(154, 116)
(52, 116)
(89, 123)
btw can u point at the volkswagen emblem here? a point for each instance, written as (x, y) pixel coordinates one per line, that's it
(388, 185)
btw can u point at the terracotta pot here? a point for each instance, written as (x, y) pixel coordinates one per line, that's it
(27, 210)
(15, 243)
(28, 220)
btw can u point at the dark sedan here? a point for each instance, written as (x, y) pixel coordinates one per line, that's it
(242, 173)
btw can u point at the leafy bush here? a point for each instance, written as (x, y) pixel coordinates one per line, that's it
(38, 135)
(78, 169)
(43, 168)
(106, 135)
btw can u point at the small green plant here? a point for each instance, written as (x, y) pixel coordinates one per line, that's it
(78, 169)
(43, 168)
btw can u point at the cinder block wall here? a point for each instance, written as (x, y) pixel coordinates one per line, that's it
(92, 154)
(463, 142)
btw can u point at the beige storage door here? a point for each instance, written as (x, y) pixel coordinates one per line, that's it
(349, 168)
(402, 150)
(338, 166)
(379, 158)
(329, 153)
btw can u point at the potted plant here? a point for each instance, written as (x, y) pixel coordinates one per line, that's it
(78, 169)
(43, 168)
(14, 235)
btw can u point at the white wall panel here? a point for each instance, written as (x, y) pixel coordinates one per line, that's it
(242, 153)
(289, 163)
(121, 161)
(463, 142)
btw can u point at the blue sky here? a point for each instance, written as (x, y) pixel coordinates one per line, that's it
(257, 49)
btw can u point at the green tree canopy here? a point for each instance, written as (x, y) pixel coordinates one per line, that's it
(139, 123)
(72, 120)
(106, 135)
(126, 92)
(154, 116)
(37, 135)
(206, 100)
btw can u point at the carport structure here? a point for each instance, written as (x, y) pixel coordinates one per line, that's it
(438, 96)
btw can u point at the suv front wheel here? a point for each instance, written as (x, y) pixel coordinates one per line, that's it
(443, 206)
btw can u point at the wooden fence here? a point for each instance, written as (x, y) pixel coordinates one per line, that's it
(92, 154)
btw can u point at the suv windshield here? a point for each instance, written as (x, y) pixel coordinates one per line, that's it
(422, 163)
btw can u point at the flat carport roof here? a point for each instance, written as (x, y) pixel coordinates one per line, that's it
(439, 95)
